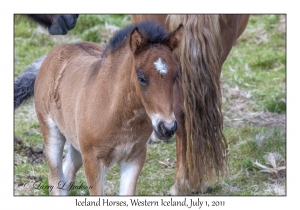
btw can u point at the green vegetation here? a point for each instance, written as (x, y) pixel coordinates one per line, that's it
(254, 107)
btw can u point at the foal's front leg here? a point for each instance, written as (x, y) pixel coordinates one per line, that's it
(130, 171)
(95, 172)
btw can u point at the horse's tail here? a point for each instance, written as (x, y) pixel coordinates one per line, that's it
(24, 84)
(199, 56)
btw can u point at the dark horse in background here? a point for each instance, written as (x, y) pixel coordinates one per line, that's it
(58, 24)
(200, 143)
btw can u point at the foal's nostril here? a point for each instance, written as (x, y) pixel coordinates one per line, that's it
(161, 128)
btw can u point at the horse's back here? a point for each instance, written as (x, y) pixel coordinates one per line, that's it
(68, 51)
(159, 19)
(231, 26)
(65, 63)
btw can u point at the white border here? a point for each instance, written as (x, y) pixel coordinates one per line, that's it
(153, 6)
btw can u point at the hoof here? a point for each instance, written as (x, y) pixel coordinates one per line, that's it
(206, 190)
(173, 190)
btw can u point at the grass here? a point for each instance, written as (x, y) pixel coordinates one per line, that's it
(254, 107)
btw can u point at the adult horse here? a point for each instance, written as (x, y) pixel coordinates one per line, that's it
(200, 144)
(106, 103)
(57, 24)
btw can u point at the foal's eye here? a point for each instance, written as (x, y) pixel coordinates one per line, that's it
(142, 80)
(142, 77)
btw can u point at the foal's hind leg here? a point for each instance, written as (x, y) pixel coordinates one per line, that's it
(71, 164)
(54, 145)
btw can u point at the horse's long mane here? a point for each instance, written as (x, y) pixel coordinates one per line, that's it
(155, 35)
(199, 57)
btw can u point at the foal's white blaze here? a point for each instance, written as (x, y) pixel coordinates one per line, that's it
(160, 66)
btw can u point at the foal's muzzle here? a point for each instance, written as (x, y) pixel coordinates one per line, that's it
(165, 132)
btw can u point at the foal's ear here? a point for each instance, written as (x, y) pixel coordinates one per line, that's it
(175, 37)
(137, 40)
